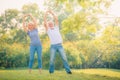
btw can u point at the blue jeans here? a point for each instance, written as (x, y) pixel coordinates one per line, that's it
(39, 55)
(59, 48)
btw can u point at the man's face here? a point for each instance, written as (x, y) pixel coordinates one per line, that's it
(50, 24)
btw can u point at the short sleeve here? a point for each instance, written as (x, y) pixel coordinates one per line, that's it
(28, 32)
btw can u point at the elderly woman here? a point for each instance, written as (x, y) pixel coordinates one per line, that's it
(35, 45)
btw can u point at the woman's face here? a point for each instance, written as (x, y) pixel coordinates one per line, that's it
(30, 26)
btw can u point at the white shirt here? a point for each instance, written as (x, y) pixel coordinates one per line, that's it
(54, 35)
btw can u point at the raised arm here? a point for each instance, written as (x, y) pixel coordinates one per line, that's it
(24, 25)
(34, 20)
(55, 17)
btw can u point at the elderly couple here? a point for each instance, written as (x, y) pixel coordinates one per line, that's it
(55, 40)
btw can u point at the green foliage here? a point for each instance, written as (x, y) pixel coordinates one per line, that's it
(31, 8)
(83, 45)
(10, 14)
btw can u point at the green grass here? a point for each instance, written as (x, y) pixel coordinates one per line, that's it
(83, 74)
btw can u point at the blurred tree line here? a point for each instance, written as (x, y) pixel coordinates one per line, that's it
(87, 43)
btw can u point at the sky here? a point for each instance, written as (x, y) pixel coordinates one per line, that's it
(115, 8)
(17, 4)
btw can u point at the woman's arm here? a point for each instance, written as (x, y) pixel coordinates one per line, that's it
(34, 20)
(24, 25)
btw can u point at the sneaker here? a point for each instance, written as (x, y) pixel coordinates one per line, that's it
(69, 72)
(51, 72)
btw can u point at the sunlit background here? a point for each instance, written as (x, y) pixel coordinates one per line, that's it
(17, 4)
(90, 30)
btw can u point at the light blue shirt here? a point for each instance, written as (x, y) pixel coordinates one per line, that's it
(34, 37)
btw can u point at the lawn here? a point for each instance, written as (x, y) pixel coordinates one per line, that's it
(78, 74)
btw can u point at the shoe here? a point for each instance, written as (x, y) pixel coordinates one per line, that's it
(51, 72)
(69, 72)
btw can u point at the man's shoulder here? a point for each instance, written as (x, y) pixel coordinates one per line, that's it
(56, 27)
